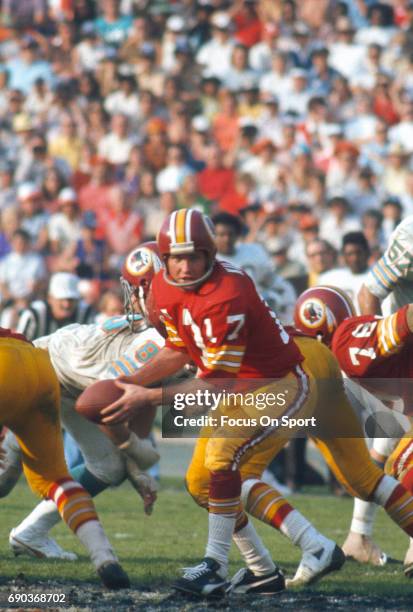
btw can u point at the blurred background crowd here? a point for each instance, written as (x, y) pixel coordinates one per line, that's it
(290, 122)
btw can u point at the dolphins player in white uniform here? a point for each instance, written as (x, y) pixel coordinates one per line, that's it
(81, 355)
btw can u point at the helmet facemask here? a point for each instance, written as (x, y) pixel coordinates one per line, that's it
(133, 299)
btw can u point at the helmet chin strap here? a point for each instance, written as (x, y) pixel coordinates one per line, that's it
(185, 284)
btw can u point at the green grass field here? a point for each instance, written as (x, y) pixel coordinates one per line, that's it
(153, 549)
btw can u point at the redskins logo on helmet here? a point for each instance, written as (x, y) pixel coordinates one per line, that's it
(139, 268)
(320, 310)
(313, 312)
(183, 232)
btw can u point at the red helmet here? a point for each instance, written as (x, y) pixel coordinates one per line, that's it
(186, 231)
(138, 270)
(320, 310)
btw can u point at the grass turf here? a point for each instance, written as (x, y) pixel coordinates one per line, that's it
(153, 549)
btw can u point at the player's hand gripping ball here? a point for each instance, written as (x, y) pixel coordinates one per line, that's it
(96, 397)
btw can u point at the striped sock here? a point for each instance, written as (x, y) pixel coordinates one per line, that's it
(77, 510)
(269, 506)
(224, 508)
(397, 502)
(73, 502)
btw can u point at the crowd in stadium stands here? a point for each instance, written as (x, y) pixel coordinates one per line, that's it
(296, 117)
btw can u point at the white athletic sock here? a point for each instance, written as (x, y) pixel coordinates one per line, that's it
(94, 539)
(301, 532)
(220, 532)
(384, 490)
(252, 549)
(364, 514)
(40, 520)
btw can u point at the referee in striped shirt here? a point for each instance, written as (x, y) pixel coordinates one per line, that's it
(63, 306)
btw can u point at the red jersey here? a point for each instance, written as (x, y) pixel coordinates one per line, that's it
(225, 326)
(370, 347)
(374, 347)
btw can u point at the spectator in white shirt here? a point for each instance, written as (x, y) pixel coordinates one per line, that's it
(215, 55)
(66, 224)
(361, 128)
(239, 73)
(338, 221)
(349, 278)
(297, 98)
(396, 170)
(269, 124)
(22, 273)
(125, 100)
(276, 81)
(262, 167)
(172, 176)
(368, 192)
(402, 132)
(345, 55)
(380, 29)
(342, 171)
(262, 52)
(116, 146)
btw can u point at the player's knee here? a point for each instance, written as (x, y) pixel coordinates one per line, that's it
(365, 485)
(198, 488)
(215, 462)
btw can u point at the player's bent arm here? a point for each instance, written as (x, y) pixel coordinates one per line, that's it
(368, 302)
(165, 363)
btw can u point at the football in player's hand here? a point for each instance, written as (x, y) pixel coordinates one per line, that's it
(96, 397)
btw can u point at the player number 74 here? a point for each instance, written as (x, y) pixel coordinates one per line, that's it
(356, 352)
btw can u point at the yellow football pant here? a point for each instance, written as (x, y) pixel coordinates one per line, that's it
(342, 444)
(29, 406)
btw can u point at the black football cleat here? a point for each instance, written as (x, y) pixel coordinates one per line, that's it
(202, 580)
(246, 582)
(113, 576)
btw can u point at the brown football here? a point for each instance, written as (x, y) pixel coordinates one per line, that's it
(96, 397)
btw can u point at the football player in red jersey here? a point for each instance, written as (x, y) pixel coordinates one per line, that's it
(376, 351)
(215, 318)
